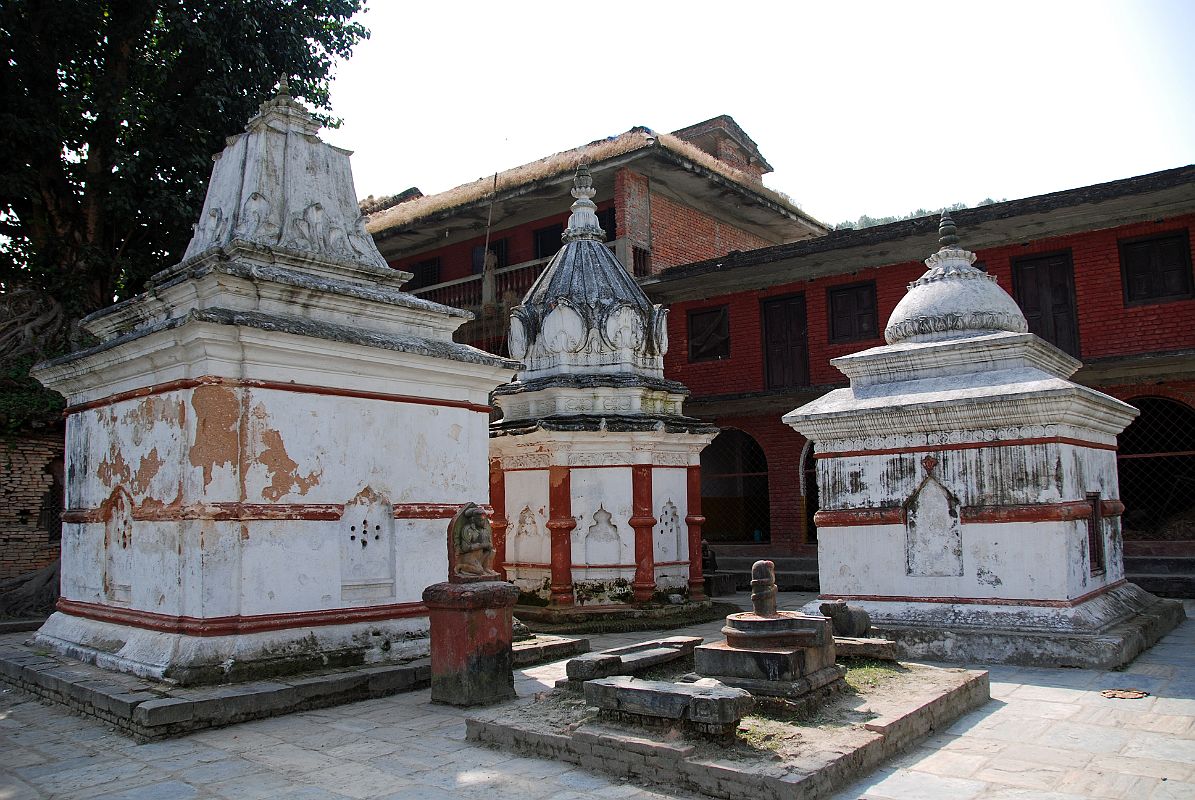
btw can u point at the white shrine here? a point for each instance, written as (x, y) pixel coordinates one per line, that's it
(595, 474)
(265, 450)
(969, 497)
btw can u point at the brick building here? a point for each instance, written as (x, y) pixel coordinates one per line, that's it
(1103, 272)
(663, 200)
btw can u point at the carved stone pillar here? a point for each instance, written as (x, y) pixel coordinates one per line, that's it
(561, 524)
(694, 520)
(642, 522)
(499, 521)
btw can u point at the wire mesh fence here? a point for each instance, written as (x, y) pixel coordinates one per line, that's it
(1156, 467)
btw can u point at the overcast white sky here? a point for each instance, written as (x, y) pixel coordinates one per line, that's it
(861, 107)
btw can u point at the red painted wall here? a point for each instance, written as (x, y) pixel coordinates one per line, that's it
(1106, 326)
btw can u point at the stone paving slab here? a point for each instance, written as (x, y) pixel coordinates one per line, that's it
(149, 710)
(421, 747)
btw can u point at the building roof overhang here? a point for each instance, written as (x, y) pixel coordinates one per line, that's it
(1156, 196)
(676, 169)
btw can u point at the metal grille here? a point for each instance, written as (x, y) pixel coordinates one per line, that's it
(734, 489)
(1156, 466)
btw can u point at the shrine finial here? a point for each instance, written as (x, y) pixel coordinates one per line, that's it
(583, 223)
(947, 232)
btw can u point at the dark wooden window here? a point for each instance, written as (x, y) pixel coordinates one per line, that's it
(1095, 535)
(609, 225)
(786, 355)
(427, 273)
(709, 334)
(640, 262)
(1045, 290)
(497, 247)
(852, 312)
(547, 240)
(1156, 268)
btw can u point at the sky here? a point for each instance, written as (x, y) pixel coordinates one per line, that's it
(874, 108)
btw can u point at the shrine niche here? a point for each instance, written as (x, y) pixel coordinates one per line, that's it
(933, 539)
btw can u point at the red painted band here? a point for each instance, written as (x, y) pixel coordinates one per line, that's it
(1041, 512)
(299, 388)
(525, 565)
(246, 512)
(845, 517)
(977, 601)
(969, 446)
(232, 625)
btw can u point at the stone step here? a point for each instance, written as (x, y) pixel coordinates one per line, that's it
(783, 563)
(786, 580)
(1158, 565)
(1165, 585)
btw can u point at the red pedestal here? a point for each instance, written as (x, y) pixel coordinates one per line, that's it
(471, 639)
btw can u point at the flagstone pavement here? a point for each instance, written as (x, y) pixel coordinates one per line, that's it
(1046, 734)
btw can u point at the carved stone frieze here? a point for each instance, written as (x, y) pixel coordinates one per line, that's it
(527, 461)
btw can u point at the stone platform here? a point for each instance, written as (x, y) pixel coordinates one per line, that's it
(835, 755)
(150, 710)
(931, 634)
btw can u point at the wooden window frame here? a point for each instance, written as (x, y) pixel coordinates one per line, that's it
(1014, 265)
(854, 336)
(694, 312)
(612, 216)
(768, 383)
(1181, 233)
(413, 285)
(501, 248)
(535, 239)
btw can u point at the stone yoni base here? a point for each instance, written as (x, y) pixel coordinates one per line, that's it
(187, 660)
(471, 633)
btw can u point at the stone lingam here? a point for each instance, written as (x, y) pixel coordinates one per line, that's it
(768, 652)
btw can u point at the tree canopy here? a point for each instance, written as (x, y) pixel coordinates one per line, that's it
(866, 221)
(110, 112)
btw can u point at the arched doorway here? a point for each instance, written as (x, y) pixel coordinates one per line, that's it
(1156, 468)
(734, 489)
(809, 491)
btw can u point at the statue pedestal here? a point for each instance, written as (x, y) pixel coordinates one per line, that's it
(471, 642)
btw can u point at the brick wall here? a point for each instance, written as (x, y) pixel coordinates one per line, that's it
(1106, 326)
(681, 234)
(632, 199)
(27, 466)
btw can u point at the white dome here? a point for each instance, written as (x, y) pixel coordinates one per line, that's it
(953, 299)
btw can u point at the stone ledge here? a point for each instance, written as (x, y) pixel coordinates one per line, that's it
(1103, 650)
(149, 710)
(630, 754)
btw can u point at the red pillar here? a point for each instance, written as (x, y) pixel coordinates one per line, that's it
(694, 520)
(642, 522)
(561, 524)
(498, 522)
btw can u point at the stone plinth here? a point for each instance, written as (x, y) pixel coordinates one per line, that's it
(471, 642)
(705, 706)
(263, 449)
(770, 652)
(969, 489)
(787, 655)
